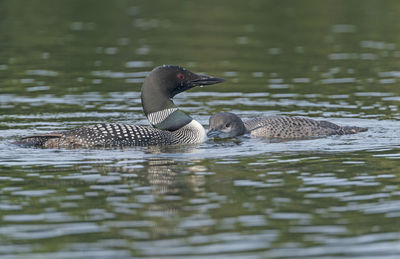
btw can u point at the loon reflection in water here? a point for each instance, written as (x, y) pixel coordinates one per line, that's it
(225, 125)
(170, 125)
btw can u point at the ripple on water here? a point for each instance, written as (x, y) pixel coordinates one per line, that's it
(46, 217)
(204, 245)
(33, 193)
(43, 231)
(99, 253)
(389, 208)
(389, 249)
(42, 72)
(135, 64)
(111, 74)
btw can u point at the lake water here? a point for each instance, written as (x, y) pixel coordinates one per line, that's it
(65, 64)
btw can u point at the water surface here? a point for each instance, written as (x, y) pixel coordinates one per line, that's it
(66, 64)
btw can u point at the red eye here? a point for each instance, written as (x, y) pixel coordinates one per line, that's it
(180, 76)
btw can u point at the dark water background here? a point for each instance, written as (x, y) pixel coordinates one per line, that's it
(65, 64)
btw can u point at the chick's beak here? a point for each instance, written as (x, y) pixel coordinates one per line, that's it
(212, 133)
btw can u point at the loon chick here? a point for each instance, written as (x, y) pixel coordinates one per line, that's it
(171, 125)
(225, 125)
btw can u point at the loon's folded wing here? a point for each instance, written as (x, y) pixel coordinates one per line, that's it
(296, 127)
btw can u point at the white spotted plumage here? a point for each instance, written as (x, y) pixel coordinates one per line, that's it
(114, 135)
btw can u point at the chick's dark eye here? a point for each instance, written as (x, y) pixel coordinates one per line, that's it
(180, 76)
(227, 125)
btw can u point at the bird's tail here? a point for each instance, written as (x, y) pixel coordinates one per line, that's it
(352, 129)
(36, 140)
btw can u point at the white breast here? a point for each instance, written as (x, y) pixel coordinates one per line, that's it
(192, 133)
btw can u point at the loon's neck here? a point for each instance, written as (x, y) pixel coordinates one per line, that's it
(161, 111)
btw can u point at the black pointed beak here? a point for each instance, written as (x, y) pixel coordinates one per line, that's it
(206, 80)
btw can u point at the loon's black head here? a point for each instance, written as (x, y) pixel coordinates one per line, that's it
(225, 125)
(164, 82)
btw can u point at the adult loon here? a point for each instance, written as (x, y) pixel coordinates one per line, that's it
(224, 125)
(171, 125)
